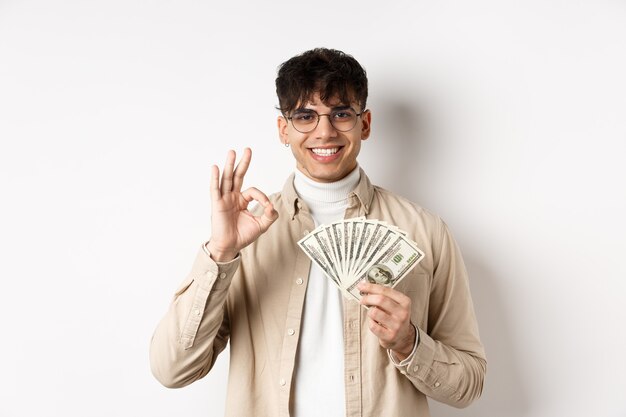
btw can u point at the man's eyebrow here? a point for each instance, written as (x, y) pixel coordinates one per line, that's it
(341, 107)
(335, 108)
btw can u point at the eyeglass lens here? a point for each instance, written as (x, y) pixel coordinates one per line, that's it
(306, 121)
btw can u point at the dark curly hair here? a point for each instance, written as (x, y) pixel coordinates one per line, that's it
(330, 72)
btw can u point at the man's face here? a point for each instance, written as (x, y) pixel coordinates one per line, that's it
(325, 154)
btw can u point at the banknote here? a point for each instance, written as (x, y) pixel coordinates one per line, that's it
(388, 267)
(311, 246)
(352, 250)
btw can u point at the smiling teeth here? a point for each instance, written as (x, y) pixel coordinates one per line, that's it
(325, 152)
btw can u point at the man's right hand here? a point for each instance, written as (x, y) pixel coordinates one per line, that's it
(233, 227)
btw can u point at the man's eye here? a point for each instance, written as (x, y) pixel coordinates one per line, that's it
(303, 117)
(340, 115)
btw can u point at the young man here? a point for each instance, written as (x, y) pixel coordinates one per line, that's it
(296, 346)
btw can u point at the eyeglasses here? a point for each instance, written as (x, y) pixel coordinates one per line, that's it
(342, 119)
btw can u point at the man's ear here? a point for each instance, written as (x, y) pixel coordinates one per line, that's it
(366, 124)
(281, 123)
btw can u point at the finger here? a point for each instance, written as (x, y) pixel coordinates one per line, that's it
(227, 174)
(242, 168)
(376, 328)
(369, 288)
(269, 216)
(381, 317)
(215, 183)
(380, 331)
(381, 302)
(254, 194)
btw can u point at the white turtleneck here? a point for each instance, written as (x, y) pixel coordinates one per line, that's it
(319, 388)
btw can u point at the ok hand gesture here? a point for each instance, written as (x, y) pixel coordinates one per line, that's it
(233, 227)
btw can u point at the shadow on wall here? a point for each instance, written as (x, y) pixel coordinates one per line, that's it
(408, 160)
(391, 155)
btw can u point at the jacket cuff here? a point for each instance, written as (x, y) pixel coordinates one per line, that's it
(408, 359)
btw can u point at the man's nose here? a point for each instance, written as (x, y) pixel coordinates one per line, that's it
(324, 127)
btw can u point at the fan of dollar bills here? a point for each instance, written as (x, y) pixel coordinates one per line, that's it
(351, 250)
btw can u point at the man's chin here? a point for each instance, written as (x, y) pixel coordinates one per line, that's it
(320, 175)
(325, 174)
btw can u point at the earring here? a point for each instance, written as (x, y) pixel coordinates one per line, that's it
(286, 145)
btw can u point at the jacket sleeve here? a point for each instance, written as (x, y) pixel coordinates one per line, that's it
(195, 329)
(449, 363)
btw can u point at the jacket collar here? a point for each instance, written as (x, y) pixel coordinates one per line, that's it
(362, 196)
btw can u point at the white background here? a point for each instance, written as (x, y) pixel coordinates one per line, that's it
(506, 118)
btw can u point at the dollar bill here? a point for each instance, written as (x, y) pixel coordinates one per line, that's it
(352, 250)
(316, 247)
(338, 237)
(389, 267)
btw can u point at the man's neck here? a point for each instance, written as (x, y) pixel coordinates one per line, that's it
(322, 197)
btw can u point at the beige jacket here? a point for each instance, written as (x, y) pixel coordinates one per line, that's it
(256, 302)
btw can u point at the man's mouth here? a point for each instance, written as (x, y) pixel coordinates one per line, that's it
(324, 151)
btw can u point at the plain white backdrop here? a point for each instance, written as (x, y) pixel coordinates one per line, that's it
(506, 118)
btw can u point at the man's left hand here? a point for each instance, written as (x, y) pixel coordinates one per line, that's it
(389, 318)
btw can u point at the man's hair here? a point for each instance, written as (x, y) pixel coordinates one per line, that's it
(330, 72)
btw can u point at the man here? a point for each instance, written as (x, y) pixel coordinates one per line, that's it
(296, 346)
